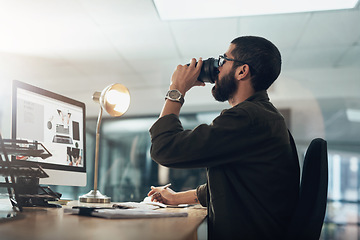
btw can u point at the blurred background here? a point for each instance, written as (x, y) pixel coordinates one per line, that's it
(77, 47)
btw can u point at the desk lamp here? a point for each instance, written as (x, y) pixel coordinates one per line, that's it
(115, 99)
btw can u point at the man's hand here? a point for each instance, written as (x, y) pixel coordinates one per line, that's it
(185, 77)
(168, 196)
(163, 195)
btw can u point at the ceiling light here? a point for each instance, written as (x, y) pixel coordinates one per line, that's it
(353, 115)
(195, 9)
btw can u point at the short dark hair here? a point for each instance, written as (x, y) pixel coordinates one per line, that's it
(263, 57)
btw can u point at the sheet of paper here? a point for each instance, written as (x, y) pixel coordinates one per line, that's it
(141, 205)
(148, 201)
(136, 213)
(128, 213)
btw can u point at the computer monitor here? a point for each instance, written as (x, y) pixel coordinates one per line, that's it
(58, 123)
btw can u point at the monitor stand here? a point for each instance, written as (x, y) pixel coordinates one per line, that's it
(31, 194)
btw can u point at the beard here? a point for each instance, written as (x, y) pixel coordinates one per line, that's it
(225, 87)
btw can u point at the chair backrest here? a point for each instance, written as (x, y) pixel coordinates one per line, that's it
(310, 211)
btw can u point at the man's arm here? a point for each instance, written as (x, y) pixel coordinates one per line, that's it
(168, 196)
(170, 107)
(183, 79)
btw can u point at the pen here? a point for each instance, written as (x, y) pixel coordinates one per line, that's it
(164, 187)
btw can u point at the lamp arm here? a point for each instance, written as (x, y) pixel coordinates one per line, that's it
(97, 142)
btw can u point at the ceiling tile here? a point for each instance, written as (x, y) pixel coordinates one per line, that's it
(351, 57)
(284, 30)
(331, 29)
(203, 38)
(144, 41)
(325, 57)
(123, 12)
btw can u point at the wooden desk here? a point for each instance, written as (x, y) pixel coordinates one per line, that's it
(54, 224)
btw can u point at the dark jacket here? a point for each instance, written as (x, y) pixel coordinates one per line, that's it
(252, 175)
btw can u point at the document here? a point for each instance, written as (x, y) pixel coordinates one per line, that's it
(147, 200)
(124, 211)
(135, 213)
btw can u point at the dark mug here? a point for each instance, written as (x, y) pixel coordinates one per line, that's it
(209, 70)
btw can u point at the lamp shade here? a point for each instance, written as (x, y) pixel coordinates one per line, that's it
(115, 99)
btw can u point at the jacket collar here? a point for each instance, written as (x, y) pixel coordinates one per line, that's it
(259, 96)
(256, 97)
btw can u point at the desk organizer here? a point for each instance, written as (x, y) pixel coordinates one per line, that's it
(22, 179)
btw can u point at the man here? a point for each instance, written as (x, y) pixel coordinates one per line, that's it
(252, 173)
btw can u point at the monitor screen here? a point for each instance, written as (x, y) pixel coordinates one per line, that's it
(58, 123)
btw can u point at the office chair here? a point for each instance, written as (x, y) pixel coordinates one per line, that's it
(310, 210)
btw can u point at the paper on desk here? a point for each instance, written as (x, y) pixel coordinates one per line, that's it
(129, 213)
(147, 200)
(141, 205)
(136, 213)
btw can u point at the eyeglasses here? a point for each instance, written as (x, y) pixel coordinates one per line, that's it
(223, 59)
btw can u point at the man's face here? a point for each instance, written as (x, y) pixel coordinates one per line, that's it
(225, 87)
(226, 84)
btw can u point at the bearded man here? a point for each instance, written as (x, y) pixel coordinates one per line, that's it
(252, 172)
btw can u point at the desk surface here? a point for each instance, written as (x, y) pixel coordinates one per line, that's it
(54, 224)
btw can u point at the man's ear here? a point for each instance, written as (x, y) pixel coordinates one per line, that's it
(242, 72)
